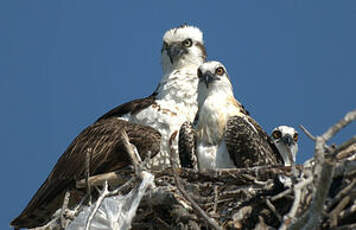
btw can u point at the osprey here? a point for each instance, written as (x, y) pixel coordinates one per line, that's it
(149, 123)
(104, 142)
(224, 135)
(285, 139)
(175, 99)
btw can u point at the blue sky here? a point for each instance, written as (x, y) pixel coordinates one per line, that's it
(65, 63)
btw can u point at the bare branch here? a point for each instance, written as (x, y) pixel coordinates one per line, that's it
(349, 117)
(342, 194)
(348, 212)
(345, 167)
(212, 223)
(103, 194)
(274, 210)
(122, 187)
(63, 210)
(324, 171)
(290, 217)
(311, 218)
(307, 132)
(300, 185)
(334, 213)
(113, 178)
(134, 156)
(344, 146)
(87, 169)
(79, 206)
(216, 193)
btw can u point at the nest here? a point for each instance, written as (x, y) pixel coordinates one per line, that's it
(317, 195)
(251, 198)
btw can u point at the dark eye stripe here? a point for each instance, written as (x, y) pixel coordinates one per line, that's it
(199, 73)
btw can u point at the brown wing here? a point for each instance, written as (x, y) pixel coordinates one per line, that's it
(268, 139)
(248, 148)
(187, 146)
(130, 107)
(104, 141)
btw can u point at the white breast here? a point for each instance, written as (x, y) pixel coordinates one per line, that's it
(213, 116)
(214, 156)
(223, 159)
(176, 103)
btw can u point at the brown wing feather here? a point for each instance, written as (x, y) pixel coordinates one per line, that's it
(133, 107)
(187, 146)
(267, 138)
(246, 147)
(104, 141)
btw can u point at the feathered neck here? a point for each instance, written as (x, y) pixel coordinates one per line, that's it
(179, 80)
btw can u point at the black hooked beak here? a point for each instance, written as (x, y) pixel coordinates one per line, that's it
(175, 50)
(287, 139)
(208, 77)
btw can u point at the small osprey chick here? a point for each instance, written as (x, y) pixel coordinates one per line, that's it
(224, 135)
(285, 139)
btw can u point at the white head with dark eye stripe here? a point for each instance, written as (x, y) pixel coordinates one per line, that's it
(213, 78)
(285, 139)
(182, 46)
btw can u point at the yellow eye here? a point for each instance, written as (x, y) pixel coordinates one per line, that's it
(276, 134)
(295, 137)
(220, 71)
(188, 42)
(200, 74)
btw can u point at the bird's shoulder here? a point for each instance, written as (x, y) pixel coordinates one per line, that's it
(132, 107)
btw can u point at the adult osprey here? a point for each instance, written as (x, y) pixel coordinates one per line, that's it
(175, 99)
(224, 135)
(104, 142)
(149, 123)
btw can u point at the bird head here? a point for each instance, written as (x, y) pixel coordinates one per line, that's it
(182, 46)
(213, 75)
(213, 79)
(285, 139)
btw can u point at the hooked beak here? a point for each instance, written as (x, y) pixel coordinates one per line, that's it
(175, 50)
(287, 139)
(208, 77)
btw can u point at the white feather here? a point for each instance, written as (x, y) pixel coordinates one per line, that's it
(283, 149)
(176, 101)
(216, 105)
(181, 33)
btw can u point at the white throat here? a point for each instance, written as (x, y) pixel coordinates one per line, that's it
(175, 103)
(288, 153)
(179, 88)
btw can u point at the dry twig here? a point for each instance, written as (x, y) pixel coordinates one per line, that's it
(64, 209)
(323, 173)
(103, 194)
(307, 132)
(212, 223)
